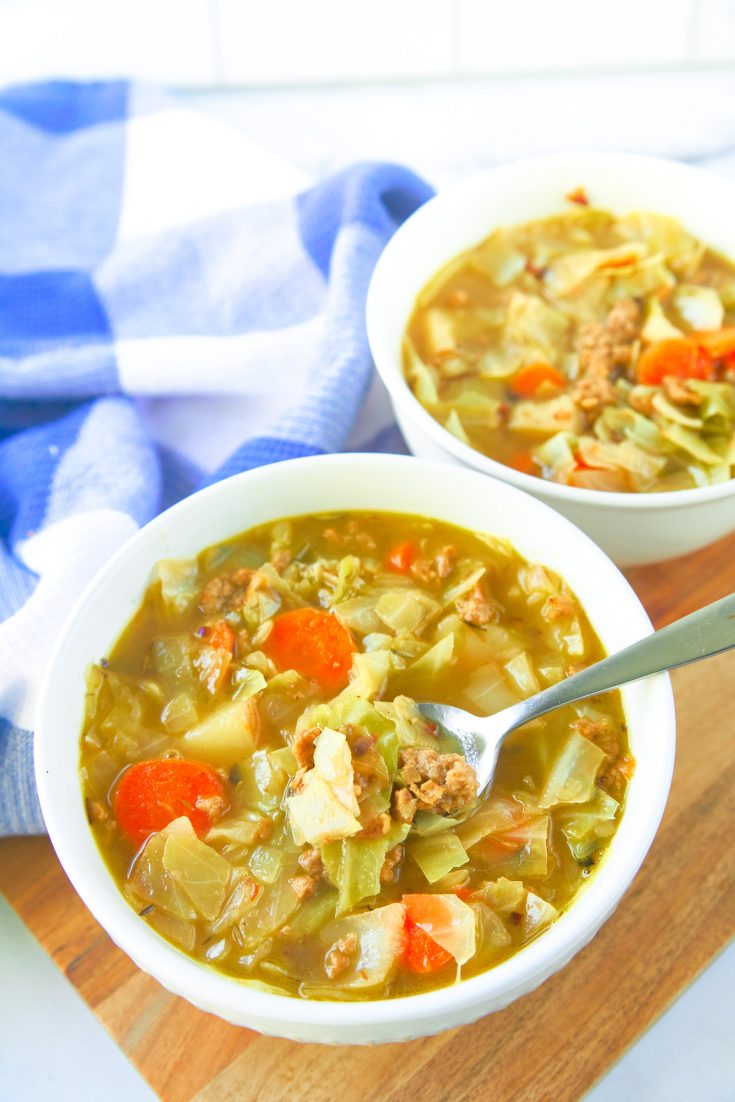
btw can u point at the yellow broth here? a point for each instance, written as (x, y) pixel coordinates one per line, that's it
(153, 695)
(601, 414)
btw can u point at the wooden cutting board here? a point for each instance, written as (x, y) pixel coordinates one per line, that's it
(550, 1046)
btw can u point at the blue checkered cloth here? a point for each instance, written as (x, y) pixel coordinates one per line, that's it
(175, 307)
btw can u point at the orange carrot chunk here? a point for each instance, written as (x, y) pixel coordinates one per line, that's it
(531, 378)
(421, 953)
(399, 559)
(314, 643)
(151, 794)
(524, 463)
(681, 357)
(719, 342)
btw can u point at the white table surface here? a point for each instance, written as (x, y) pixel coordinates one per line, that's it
(442, 130)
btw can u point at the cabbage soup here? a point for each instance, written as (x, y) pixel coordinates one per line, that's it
(267, 796)
(589, 349)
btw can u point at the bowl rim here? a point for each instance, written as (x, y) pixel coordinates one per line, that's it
(391, 370)
(237, 1000)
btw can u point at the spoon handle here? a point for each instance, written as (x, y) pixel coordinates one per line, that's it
(708, 631)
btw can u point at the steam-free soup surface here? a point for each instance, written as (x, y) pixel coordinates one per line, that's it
(588, 349)
(267, 796)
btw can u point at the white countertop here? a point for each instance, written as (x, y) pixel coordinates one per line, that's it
(442, 130)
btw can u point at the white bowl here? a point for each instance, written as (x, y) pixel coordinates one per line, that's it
(342, 482)
(631, 528)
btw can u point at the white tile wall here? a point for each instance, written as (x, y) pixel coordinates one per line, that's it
(497, 36)
(714, 32)
(241, 43)
(309, 41)
(167, 41)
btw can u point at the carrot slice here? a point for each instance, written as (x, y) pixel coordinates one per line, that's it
(401, 556)
(421, 953)
(681, 357)
(524, 463)
(530, 378)
(151, 794)
(314, 643)
(718, 342)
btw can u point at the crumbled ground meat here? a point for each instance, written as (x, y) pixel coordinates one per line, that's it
(432, 571)
(351, 534)
(96, 811)
(225, 591)
(641, 400)
(304, 886)
(602, 347)
(623, 321)
(214, 806)
(391, 864)
(440, 782)
(338, 959)
(311, 862)
(376, 828)
(678, 391)
(475, 608)
(557, 607)
(403, 805)
(302, 747)
(599, 732)
(615, 776)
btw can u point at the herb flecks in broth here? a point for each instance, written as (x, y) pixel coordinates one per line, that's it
(587, 349)
(270, 800)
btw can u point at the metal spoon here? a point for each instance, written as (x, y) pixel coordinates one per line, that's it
(708, 631)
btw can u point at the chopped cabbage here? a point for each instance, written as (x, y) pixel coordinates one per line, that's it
(454, 425)
(546, 418)
(420, 376)
(674, 413)
(437, 854)
(179, 580)
(573, 772)
(380, 940)
(693, 444)
(325, 807)
(201, 873)
(521, 670)
(539, 913)
(179, 714)
(498, 258)
(353, 865)
(431, 663)
(700, 307)
(535, 325)
(657, 326)
(587, 825)
(406, 610)
(487, 691)
(496, 816)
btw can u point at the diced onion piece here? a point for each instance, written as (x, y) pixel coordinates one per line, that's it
(179, 583)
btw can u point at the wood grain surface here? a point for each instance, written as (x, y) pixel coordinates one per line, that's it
(550, 1046)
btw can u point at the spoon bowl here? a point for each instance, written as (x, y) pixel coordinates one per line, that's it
(702, 634)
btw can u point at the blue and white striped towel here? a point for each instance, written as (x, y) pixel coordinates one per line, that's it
(175, 306)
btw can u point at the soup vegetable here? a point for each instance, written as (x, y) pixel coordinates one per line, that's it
(267, 795)
(587, 349)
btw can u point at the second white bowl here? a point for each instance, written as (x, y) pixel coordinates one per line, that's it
(631, 528)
